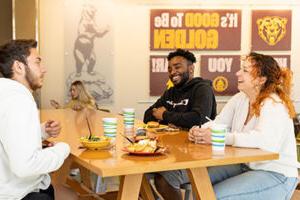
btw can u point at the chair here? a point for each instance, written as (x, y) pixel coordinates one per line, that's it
(100, 186)
(187, 187)
(296, 195)
(102, 109)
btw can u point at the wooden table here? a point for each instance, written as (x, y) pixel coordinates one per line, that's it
(114, 162)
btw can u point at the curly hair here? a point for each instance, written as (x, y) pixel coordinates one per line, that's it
(183, 53)
(278, 81)
(14, 50)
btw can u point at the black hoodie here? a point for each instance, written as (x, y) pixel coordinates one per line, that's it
(186, 105)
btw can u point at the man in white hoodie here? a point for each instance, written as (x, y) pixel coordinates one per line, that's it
(24, 165)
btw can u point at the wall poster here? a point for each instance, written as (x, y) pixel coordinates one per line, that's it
(283, 60)
(221, 71)
(195, 29)
(159, 75)
(271, 30)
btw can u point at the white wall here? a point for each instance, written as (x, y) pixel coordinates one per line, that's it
(131, 24)
(52, 50)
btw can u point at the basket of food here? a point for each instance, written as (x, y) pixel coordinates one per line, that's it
(95, 142)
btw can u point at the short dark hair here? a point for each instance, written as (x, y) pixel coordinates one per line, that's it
(183, 53)
(14, 50)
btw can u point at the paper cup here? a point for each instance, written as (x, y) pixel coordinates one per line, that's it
(218, 134)
(128, 117)
(110, 127)
(128, 111)
(110, 121)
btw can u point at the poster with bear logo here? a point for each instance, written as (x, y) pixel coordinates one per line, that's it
(271, 30)
(221, 70)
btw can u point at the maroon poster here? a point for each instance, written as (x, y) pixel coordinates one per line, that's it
(271, 29)
(283, 60)
(221, 71)
(195, 29)
(158, 75)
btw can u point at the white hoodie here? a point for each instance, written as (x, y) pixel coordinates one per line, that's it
(24, 165)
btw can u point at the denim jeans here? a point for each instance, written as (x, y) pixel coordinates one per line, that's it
(238, 182)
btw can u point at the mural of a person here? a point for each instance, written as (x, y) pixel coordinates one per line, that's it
(88, 30)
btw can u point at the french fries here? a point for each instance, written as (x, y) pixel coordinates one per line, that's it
(146, 146)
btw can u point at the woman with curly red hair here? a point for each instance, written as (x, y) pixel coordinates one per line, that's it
(260, 116)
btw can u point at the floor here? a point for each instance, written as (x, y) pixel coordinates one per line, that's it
(84, 195)
(113, 196)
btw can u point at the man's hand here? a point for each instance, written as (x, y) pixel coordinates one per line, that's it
(173, 126)
(46, 144)
(52, 128)
(158, 112)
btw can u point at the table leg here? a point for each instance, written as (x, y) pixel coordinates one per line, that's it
(146, 190)
(130, 187)
(201, 183)
(60, 176)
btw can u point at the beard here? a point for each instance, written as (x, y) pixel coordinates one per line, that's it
(32, 79)
(184, 78)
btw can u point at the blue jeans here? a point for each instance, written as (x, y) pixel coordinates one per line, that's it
(238, 182)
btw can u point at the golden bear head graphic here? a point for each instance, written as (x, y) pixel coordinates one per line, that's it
(271, 29)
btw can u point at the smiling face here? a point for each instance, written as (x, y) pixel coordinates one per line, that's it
(180, 70)
(248, 81)
(35, 71)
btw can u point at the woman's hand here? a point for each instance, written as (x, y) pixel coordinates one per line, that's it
(54, 104)
(192, 133)
(200, 135)
(77, 107)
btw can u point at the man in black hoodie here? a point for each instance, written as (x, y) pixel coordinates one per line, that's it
(189, 101)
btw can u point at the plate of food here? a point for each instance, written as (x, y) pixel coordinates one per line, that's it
(95, 142)
(145, 147)
(168, 129)
(152, 125)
